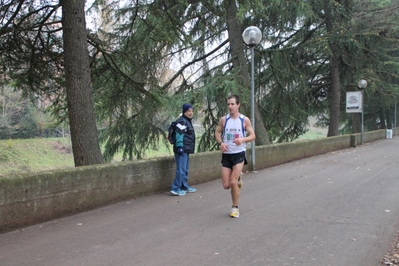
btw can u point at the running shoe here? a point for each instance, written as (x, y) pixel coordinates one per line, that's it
(178, 192)
(191, 190)
(234, 213)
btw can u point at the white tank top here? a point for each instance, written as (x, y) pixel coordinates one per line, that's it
(234, 128)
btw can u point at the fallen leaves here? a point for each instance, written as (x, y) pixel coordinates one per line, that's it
(392, 259)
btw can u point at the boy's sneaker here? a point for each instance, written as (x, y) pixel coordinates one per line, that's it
(234, 213)
(178, 192)
(239, 183)
(191, 190)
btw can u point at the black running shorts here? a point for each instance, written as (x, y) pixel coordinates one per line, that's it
(229, 160)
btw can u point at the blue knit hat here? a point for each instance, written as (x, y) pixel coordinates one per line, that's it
(186, 106)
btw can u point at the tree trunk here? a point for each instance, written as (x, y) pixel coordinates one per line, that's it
(356, 123)
(389, 119)
(238, 59)
(382, 119)
(335, 89)
(373, 123)
(335, 97)
(84, 135)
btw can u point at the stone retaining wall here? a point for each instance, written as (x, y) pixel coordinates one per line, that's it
(32, 198)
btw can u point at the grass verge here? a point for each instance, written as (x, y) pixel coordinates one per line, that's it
(33, 155)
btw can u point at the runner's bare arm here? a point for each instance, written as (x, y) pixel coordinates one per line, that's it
(219, 130)
(249, 129)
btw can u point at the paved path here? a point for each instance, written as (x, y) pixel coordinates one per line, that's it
(339, 209)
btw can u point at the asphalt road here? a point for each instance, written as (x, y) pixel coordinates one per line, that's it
(341, 208)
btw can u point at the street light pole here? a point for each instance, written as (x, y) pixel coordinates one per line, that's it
(252, 37)
(362, 118)
(252, 107)
(362, 84)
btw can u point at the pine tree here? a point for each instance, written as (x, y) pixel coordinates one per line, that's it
(84, 135)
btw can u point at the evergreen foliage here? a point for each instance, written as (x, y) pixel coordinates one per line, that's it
(147, 58)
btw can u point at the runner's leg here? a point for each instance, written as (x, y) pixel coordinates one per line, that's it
(235, 190)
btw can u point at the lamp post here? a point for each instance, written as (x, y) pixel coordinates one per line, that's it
(252, 37)
(362, 84)
(395, 114)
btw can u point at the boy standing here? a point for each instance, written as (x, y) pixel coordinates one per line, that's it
(184, 145)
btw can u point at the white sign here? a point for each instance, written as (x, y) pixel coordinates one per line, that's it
(354, 102)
